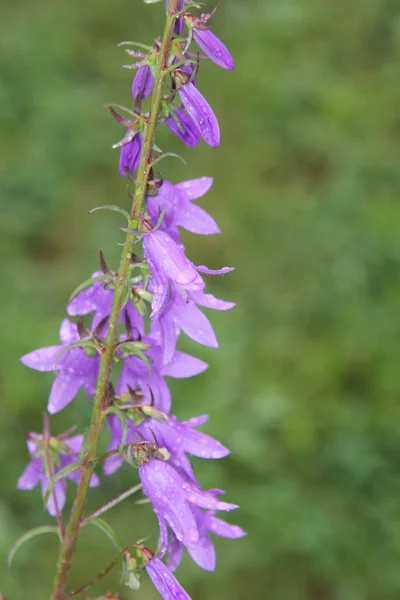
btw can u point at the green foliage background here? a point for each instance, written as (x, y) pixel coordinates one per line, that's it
(305, 387)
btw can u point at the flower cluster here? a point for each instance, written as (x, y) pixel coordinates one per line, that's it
(163, 296)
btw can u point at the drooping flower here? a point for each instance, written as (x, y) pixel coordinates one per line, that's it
(170, 267)
(143, 83)
(129, 157)
(62, 452)
(184, 127)
(203, 553)
(201, 113)
(75, 369)
(173, 498)
(167, 586)
(98, 298)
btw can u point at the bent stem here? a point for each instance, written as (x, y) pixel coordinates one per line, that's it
(106, 362)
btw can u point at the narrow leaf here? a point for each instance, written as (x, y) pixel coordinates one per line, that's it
(107, 529)
(112, 207)
(28, 536)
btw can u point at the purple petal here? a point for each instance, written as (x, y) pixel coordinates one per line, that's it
(197, 220)
(206, 500)
(75, 443)
(214, 48)
(69, 332)
(43, 359)
(184, 365)
(168, 258)
(31, 475)
(166, 491)
(175, 553)
(59, 491)
(210, 301)
(204, 552)
(186, 130)
(194, 188)
(196, 421)
(222, 528)
(198, 443)
(168, 587)
(143, 82)
(196, 325)
(64, 390)
(129, 157)
(222, 271)
(201, 113)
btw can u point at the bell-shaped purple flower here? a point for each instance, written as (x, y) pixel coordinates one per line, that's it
(201, 113)
(66, 452)
(203, 553)
(173, 499)
(167, 586)
(75, 369)
(184, 127)
(143, 83)
(129, 157)
(213, 48)
(181, 438)
(98, 299)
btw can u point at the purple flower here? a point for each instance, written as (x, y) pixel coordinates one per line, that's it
(213, 48)
(98, 299)
(143, 82)
(170, 267)
(181, 438)
(166, 584)
(184, 127)
(63, 452)
(173, 499)
(201, 113)
(75, 369)
(203, 553)
(180, 211)
(129, 157)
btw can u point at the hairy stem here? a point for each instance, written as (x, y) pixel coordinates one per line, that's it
(98, 415)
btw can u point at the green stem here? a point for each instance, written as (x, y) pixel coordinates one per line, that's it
(106, 362)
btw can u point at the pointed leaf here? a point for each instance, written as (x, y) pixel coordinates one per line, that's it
(28, 536)
(89, 282)
(107, 529)
(112, 207)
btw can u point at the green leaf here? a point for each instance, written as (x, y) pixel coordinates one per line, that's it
(112, 207)
(28, 536)
(59, 475)
(164, 155)
(89, 282)
(107, 529)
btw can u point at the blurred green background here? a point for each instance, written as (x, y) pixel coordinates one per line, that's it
(305, 386)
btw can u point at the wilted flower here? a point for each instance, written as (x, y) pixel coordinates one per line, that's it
(62, 452)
